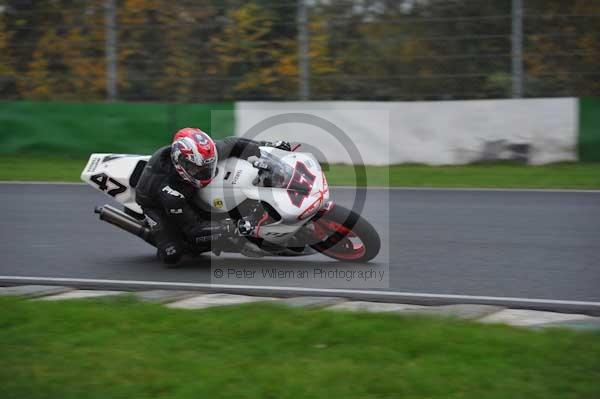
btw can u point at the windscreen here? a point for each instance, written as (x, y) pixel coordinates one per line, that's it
(277, 175)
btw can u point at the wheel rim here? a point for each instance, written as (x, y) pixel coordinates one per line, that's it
(349, 246)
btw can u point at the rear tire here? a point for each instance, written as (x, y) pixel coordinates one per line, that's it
(343, 226)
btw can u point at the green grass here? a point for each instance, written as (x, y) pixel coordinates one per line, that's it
(40, 168)
(562, 175)
(565, 175)
(124, 349)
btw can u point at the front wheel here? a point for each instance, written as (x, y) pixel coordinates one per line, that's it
(344, 235)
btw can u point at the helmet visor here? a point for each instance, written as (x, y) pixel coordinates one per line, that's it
(198, 172)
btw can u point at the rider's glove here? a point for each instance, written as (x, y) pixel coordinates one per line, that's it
(280, 145)
(261, 164)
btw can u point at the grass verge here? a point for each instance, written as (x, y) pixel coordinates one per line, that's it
(40, 168)
(565, 175)
(122, 348)
(562, 175)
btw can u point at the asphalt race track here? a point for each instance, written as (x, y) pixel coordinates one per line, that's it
(527, 244)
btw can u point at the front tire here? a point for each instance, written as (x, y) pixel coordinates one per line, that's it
(346, 236)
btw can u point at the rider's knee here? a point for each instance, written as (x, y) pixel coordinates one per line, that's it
(170, 254)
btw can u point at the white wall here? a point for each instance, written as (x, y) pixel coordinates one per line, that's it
(448, 132)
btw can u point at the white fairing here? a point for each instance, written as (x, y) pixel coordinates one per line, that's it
(111, 174)
(303, 195)
(235, 182)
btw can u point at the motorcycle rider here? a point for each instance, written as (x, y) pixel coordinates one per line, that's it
(167, 184)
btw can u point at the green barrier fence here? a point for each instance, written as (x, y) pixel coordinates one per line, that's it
(78, 129)
(589, 129)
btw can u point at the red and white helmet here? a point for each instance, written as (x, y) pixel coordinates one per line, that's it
(194, 156)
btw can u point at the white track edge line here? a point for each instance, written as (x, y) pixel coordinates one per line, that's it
(302, 289)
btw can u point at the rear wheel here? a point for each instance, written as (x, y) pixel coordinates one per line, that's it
(344, 235)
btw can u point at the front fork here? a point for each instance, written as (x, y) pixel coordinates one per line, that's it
(328, 206)
(308, 233)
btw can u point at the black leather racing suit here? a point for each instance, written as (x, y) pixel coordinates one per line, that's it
(166, 200)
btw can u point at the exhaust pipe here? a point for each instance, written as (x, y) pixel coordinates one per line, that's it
(125, 222)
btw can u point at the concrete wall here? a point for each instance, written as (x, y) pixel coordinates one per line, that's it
(536, 131)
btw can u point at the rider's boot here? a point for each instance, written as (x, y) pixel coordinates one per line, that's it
(212, 231)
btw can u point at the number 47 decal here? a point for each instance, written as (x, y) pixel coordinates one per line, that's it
(300, 185)
(102, 181)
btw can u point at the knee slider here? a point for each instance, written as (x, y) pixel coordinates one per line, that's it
(170, 254)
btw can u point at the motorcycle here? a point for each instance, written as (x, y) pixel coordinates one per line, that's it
(284, 194)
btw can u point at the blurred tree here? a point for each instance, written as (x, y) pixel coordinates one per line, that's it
(42, 78)
(7, 71)
(191, 69)
(261, 61)
(140, 49)
(210, 50)
(323, 66)
(83, 51)
(163, 50)
(67, 47)
(563, 57)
